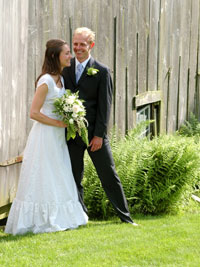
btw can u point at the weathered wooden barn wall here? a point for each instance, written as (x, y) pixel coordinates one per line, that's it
(13, 91)
(149, 45)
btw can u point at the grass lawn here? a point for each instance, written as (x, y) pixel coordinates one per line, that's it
(158, 241)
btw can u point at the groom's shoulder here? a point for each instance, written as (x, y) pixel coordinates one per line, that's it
(100, 65)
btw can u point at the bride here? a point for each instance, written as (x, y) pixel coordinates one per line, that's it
(47, 198)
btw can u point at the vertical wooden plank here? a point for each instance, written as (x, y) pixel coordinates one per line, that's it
(82, 14)
(3, 123)
(153, 44)
(184, 53)
(23, 77)
(114, 69)
(1, 80)
(126, 101)
(16, 72)
(198, 69)
(31, 59)
(131, 54)
(193, 52)
(174, 61)
(120, 69)
(104, 32)
(106, 37)
(7, 76)
(178, 94)
(8, 105)
(164, 58)
(55, 19)
(65, 20)
(113, 40)
(42, 25)
(143, 32)
(14, 97)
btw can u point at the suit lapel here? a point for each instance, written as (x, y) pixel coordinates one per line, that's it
(72, 71)
(84, 74)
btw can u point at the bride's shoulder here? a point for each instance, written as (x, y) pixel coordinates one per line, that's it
(47, 79)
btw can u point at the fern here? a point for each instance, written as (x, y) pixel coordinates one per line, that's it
(190, 127)
(158, 176)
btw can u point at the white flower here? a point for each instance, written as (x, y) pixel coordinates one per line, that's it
(74, 115)
(65, 109)
(70, 100)
(72, 111)
(76, 108)
(94, 72)
(79, 102)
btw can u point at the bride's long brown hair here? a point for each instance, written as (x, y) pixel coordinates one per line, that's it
(51, 64)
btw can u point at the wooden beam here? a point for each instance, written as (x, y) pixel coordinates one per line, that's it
(147, 98)
(5, 209)
(12, 161)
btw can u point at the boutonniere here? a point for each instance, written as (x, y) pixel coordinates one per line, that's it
(92, 71)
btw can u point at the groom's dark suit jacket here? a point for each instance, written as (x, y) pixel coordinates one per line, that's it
(96, 91)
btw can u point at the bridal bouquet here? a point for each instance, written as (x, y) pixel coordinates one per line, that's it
(72, 112)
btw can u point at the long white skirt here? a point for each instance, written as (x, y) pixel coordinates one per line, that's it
(47, 198)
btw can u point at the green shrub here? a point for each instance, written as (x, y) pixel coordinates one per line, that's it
(190, 127)
(94, 196)
(158, 176)
(165, 170)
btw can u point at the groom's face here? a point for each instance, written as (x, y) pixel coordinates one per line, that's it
(81, 46)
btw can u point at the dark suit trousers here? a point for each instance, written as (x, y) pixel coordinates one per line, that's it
(104, 164)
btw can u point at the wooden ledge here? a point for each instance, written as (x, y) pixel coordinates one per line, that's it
(12, 161)
(146, 98)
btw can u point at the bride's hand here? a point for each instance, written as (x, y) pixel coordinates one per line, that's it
(62, 124)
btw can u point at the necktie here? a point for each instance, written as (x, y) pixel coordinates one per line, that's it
(79, 72)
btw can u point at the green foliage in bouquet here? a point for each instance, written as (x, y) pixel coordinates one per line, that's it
(72, 112)
(158, 176)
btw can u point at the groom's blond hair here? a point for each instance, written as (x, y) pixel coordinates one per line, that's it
(89, 33)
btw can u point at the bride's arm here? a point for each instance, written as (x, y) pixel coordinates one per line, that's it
(37, 104)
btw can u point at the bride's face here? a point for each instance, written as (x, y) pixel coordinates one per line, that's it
(65, 56)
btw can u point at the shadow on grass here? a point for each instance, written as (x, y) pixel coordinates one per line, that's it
(102, 223)
(92, 223)
(141, 217)
(10, 238)
(148, 217)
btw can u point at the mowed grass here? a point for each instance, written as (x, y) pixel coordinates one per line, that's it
(158, 241)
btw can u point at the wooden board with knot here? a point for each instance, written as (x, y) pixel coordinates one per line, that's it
(12, 161)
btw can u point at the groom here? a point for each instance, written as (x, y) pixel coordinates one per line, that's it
(95, 88)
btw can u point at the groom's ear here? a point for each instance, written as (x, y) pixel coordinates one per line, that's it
(92, 45)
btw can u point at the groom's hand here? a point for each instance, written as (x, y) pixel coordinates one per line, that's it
(96, 143)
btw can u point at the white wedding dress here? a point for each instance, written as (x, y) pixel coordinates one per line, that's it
(47, 198)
